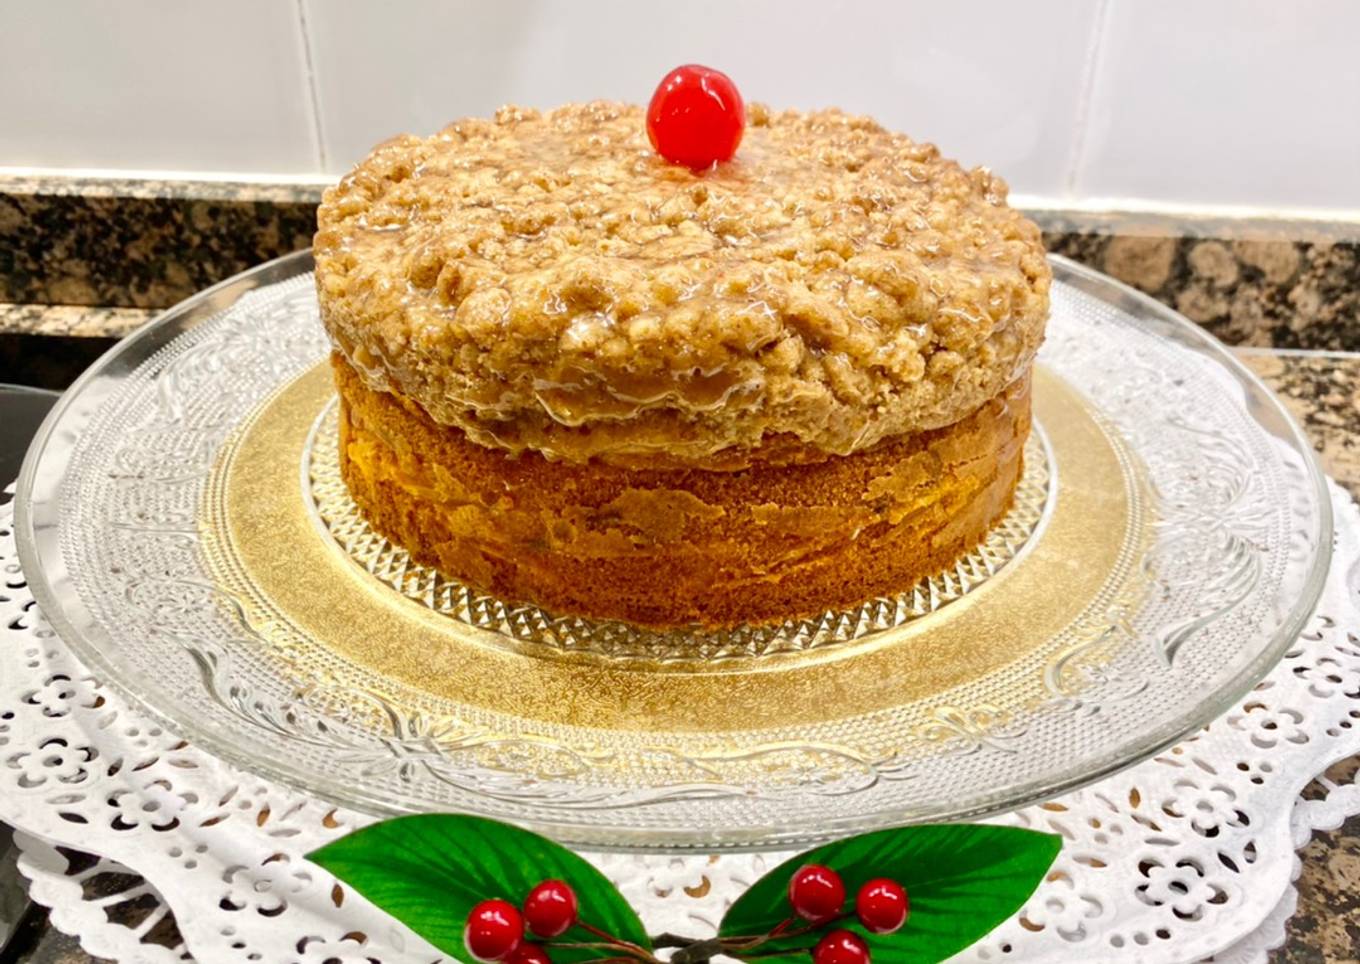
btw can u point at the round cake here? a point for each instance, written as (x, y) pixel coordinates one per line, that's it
(575, 375)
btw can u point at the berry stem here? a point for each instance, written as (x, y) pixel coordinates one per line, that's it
(610, 941)
(672, 940)
(807, 928)
(697, 951)
(630, 955)
(738, 944)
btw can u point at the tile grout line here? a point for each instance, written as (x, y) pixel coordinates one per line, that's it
(309, 63)
(1090, 69)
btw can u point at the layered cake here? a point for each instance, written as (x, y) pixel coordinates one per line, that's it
(576, 375)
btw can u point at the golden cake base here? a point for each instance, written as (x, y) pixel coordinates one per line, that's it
(322, 614)
(767, 540)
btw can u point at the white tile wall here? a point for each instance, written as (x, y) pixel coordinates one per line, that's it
(1247, 102)
(1195, 102)
(1005, 95)
(197, 85)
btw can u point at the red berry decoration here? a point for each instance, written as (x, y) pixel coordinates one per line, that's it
(550, 908)
(816, 893)
(696, 117)
(841, 947)
(528, 953)
(882, 905)
(494, 930)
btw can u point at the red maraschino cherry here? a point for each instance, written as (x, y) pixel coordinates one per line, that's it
(696, 117)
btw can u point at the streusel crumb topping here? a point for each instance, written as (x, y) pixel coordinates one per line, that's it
(545, 281)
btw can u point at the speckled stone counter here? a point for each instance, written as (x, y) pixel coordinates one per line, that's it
(80, 321)
(1283, 286)
(1322, 391)
(140, 244)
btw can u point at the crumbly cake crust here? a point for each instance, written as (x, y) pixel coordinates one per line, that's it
(672, 547)
(546, 282)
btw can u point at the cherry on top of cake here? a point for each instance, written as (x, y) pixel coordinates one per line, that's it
(545, 280)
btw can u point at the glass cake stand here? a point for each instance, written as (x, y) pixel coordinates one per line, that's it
(183, 527)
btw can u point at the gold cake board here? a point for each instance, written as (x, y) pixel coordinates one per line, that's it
(264, 545)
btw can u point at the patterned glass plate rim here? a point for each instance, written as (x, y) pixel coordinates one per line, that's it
(1233, 514)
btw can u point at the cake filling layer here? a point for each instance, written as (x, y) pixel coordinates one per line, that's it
(764, 539)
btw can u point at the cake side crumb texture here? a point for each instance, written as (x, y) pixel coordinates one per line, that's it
(673, 547)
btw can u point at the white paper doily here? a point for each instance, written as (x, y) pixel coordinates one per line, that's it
(1187, 855)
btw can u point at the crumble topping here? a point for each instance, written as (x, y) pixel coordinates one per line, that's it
(546, 281)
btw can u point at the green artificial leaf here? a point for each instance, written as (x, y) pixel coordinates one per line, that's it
(429, 871)
(962, 880)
